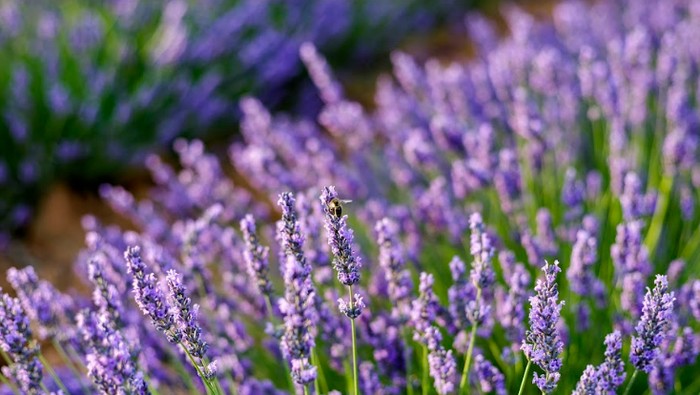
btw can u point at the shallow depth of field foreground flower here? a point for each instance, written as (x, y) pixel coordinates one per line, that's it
(523, 223)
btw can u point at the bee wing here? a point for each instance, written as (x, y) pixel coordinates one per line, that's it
(345, 201)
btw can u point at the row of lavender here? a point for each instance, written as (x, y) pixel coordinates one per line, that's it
(574, 141)
(87, 87)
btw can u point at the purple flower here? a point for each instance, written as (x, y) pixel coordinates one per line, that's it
(584, 255)
(16, 341)
(490, 379)
(299, 303)
(459, 294)
(651, 328)
(588, 382)
(369, 380)
(149, 296)
(543, 344)
(611, 374)
(391, 259)
(186, 316)
(110, 363)
(441, 362)
(42, 303)
(255, 256)
(346, 263)
(354, 309)
(511, 307)
(481, 275)
(425, 308)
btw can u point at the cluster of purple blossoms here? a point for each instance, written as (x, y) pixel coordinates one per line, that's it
(607, 377)
(17, 343)
(256, 256)
(346, 262)
(652, 326)
(543, 344)
(391, 259)
(442, 364)
(299, 303)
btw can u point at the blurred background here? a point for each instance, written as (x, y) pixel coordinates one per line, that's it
(89, 88)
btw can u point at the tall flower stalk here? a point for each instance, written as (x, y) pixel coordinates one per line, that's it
(298, 304)
(174, 316)
(482, 278)
(346, 263)
(543, 345)
(651, 329)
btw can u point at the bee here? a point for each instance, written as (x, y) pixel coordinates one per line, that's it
(335, 207)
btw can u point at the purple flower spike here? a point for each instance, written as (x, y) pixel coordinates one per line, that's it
(345, 261)
(149, 296)
(481, 249)
(543, 344)
(442, 364)
(391, 259)
(611, 374)
(42, 302)
(186, 316)
(110, 364)
(425, 308)
(651, 328)
(584, 255)
(298, 305)
(353, 310)
(255, 256)
(588, 382)
(490, 379)
(16, 341)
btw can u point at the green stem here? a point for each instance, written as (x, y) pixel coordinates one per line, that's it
(52, 373)
(320, 376)
(629, 385)
(522, 382)
(354, 345)
(71, 365)
(470, 350)
(424, 382)
(210, 388)
(657, 221)
(306, 390)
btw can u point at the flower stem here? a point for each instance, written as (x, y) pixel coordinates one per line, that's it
(306, 390)
(522, 382)
(424, 383)
(470, 350)
(52, 373)
(210, 388)
(657, 221)
(320, 376)
(354, 346)
(629, 385)
(71, 365)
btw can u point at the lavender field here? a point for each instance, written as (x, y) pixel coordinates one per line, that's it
(522, 222)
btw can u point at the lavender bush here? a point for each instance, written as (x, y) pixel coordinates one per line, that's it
(88, 87)
(564, 156)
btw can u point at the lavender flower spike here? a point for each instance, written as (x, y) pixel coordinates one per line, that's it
(588, 382)
(482, 275)
(611, 373)
(149, 297)
(186, 316)
(345, 260)
(255, 256)
(298, 305)
(543, 345)
(16, 341)
(656, 315)
(442, 364)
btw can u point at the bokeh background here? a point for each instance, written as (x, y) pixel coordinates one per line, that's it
(89, 89)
